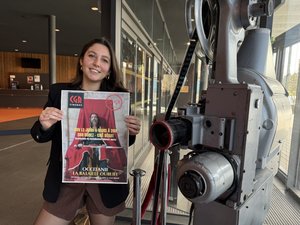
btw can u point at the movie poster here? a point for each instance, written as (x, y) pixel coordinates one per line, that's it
(94, 136)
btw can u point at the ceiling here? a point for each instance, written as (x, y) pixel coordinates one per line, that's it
(28, 20)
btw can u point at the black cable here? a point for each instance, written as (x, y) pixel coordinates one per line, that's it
(191, 213)
(183, 71)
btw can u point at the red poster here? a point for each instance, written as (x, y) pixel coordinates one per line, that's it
(94, 136)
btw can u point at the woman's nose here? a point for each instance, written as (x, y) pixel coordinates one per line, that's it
(97, 62)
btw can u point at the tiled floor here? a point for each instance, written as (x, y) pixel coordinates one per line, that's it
(22, 171)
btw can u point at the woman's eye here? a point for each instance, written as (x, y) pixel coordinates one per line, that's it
(105, 60)
(91, 55)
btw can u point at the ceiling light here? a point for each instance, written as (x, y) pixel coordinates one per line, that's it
(24, 41)
(97, 8)
(16, 50)
(57, 29)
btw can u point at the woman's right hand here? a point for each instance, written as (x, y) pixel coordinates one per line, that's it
(50, 116)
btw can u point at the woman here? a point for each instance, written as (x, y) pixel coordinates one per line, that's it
(97, 70)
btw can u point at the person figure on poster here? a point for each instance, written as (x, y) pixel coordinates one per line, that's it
(95, 144)
(97, 70)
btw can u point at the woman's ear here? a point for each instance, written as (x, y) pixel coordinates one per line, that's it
(80, 63)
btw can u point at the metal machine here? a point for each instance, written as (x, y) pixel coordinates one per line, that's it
(237, 129)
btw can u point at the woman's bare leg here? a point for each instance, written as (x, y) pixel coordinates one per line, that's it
(45, 218)
(100, 219)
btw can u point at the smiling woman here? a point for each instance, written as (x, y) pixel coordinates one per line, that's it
(10, 114)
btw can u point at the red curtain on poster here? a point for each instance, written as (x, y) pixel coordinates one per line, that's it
(103, 108)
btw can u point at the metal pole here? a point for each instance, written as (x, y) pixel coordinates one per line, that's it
(52, 49)
(157, 186)
(174, 158)
(164, 190)
(137, 174)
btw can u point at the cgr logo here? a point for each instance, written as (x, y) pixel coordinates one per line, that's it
(76, 100)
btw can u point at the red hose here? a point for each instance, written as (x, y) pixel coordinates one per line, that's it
(150, 191)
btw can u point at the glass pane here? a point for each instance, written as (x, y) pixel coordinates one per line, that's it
(168, 85)
(165, 91)
(158, 29)
(156, 69)
(147, 99)
(286, 42)
(127, 66)
(289, 80)
(148, 14)
(168, 53)
(143, 11)
(140, 79)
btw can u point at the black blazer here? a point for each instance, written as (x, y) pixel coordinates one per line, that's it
(112, 194)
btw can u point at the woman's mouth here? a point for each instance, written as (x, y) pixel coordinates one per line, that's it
(95, 70)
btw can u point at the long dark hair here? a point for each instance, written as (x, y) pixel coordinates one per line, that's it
(114, 82)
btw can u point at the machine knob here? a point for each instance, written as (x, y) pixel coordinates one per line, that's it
(265, 8)
(191, 184)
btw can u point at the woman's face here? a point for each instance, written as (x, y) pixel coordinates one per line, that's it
(95, 63)
(94, 120)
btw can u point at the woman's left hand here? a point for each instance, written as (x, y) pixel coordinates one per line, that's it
(133, 124)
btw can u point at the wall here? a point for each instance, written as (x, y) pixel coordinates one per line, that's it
(10, 63)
